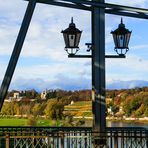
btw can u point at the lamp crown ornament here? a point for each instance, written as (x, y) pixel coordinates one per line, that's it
(121, 24)
(72, 24)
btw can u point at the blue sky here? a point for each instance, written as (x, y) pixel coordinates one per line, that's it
(43, 62)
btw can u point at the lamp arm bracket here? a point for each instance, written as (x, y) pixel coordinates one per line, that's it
(90, 56)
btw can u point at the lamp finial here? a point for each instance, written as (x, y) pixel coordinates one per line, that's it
(71, 19)
(121, 20)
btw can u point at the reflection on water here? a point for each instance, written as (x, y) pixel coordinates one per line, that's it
(124, 124)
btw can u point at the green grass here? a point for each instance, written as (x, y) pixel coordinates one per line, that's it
(12, 122)
(45, 122)
(23, 122)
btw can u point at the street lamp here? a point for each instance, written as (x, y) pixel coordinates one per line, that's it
(121, 38)
(72, 38)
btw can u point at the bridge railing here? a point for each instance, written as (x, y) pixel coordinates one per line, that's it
(71, 137)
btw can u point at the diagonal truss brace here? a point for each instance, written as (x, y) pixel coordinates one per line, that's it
(109, 8)
(16, 51)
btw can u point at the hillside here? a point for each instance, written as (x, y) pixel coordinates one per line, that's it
(60, 103)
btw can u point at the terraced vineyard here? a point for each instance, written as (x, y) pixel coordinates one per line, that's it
(79, 109)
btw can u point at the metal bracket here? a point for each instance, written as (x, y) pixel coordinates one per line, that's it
(89, 46)
(90, 56)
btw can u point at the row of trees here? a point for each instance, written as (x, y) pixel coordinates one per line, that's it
(53, 108)
(78, 95)
(133, 101)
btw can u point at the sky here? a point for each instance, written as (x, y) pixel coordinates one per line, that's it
(43, 63)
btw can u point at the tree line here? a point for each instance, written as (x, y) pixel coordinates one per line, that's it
(133, 101)
(52, 107)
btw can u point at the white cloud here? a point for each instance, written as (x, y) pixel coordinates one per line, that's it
(60, 82)
(131, 68)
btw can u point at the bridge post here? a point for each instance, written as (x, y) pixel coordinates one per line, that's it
(98, 74)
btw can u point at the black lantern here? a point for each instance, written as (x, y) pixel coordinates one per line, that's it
(121, 38)
(72, 38)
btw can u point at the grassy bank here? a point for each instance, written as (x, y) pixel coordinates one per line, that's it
(48, 122)
(23, 122)
(12, 122)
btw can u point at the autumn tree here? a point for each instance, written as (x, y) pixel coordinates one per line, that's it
(54, 109)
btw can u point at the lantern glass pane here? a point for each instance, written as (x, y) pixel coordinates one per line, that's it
(115, 39)
(118, 41)
(78, 39)
(66, 39)
(127, 39)
(71, 38)
(121, 40)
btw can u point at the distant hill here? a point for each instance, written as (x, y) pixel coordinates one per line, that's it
(73, 84)
(127, 84)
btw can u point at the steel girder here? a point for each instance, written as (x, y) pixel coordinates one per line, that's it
(109, 8)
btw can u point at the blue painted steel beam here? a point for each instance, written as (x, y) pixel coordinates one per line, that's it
(109, 8)
(107, 5)
(123, 13)
(62, 4)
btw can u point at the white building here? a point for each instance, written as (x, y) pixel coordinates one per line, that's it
(44, 95)
(16, 97)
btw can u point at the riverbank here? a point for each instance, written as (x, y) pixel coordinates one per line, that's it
(143, 120)
(15, 121)
(128, 119)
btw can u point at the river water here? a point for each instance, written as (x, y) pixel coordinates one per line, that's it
(126, 124)
(88, 123)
